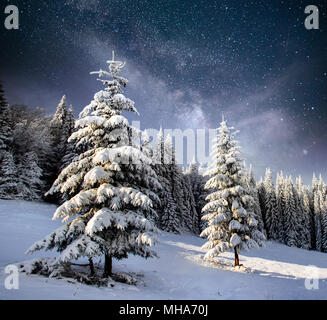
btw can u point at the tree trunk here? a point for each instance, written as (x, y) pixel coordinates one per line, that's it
(91, 267)
(237, 261)
(107, 265)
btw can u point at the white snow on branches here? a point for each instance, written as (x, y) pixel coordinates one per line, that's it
(121, 155)
(106, 218)
(97, 174)
(235, 240)
(74, 204)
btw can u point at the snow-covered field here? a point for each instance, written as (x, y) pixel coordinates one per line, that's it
(273, 272)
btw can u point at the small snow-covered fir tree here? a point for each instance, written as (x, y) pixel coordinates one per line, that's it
(304, 240)
(5, 128)
(321, 185)
(8, 176)
(290, 215)
(308, 211)
(169, 220)
(314, 183)
(230, 225)
(30, 175)
(110, 187)
(323, 207)
(61, 112)
(61, 128)
(272, 217)
(183, 214)
(9, 182)
(255, 194)
(262, 199)
(174, 177)
(197, 183)
(181, 189)
(280, 195)
(145, 145)
(191, 221)
(317, 219)
(68, 149)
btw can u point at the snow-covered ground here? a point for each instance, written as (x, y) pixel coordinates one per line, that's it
(273, 272)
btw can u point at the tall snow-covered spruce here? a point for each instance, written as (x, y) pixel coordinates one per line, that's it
(110, 187)
(62, 126)
(229, 212)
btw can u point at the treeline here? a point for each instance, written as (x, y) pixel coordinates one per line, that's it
(294, 213)
(182, 195)
(33, 148)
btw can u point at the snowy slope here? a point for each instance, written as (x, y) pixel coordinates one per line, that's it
(273, 272)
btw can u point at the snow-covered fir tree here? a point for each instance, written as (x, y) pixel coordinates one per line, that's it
(181, 189)
(272, 217)
(159, 149)
(323, 208)
(168, 220)
(191, 221)
(6, 130)
(280, 196)
(255, 194)
(30, 177)
(145, 145)
(8, 171)
(290, 215)
(314, 183)
(321, 185)
(308, 211)
(9, 179)
(197, 183)
(111, 186)
(262, 199)
(318, 200)
(68, 149)
(62, 125)
(230, 225)
(61, 128)
(304, 240)
(175, 178)
(317, 219)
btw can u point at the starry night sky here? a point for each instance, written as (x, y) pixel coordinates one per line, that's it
(187, 62)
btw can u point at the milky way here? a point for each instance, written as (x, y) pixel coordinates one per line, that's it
(187, 62)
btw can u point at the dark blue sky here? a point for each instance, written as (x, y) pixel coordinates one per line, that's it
(187, 62)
